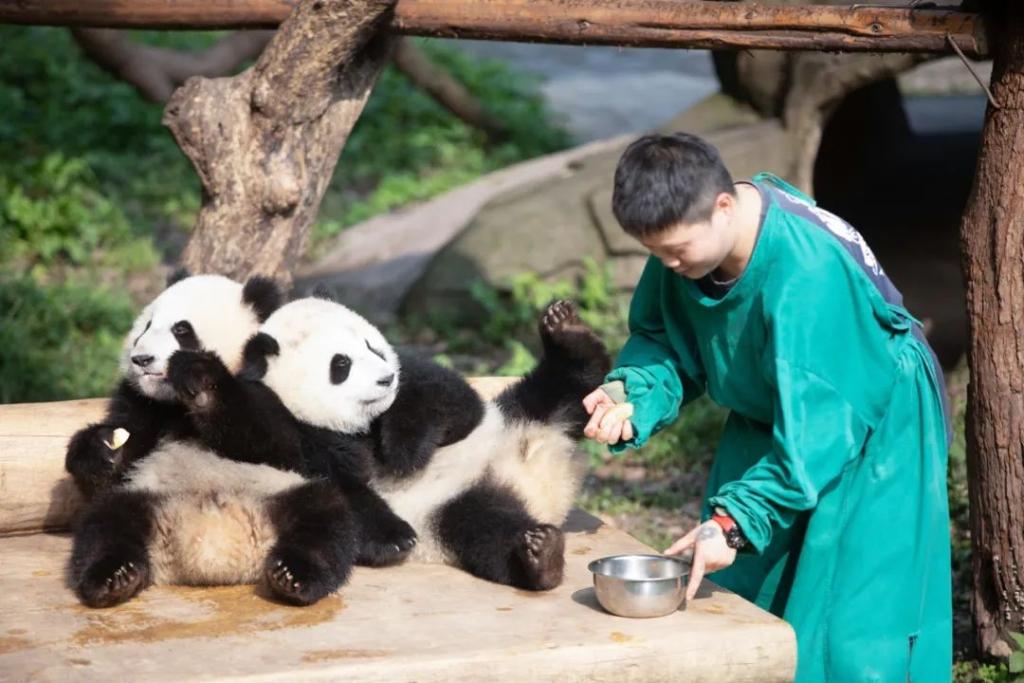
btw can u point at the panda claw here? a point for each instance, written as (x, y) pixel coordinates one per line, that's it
(542, 557)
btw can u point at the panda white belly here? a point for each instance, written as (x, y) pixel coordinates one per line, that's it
(535, 460)
(211, 521)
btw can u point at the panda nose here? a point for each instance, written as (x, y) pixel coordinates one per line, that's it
(142, 360)
(385, 381)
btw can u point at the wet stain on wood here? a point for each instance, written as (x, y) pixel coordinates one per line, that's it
(581, 550)
(80, 662)
(41, 572)
(208, 613)
(12, 644)
(330, 655)
(503, 609)
(17, 631)
(618, 637)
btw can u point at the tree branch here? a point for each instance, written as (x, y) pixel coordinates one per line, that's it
(445, 90)
(155, 72)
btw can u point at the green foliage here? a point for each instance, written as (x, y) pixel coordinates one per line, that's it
(59, 340)
(405, 147)
(89, 178)
(52, 210)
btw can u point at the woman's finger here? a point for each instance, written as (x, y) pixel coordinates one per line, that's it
(627, 430)
(682, 544)
(696, 573)
(591, 430)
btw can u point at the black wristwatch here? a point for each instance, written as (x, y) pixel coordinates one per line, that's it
(734, 537)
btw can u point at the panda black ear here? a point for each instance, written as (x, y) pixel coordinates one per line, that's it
(264, 296)
(178, 275)
(254, 357)
(322, 291)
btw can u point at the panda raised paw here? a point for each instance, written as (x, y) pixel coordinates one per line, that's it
(112, 580)
(563, 331)
(541, 555)
(196, 376)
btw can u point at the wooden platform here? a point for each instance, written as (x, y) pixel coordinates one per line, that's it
(409, 623)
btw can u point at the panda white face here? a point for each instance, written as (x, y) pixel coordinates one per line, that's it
(331, 367)
(198, 312)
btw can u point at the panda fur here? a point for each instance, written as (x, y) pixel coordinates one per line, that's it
(167, 507)
(484, 484)
(233, 490)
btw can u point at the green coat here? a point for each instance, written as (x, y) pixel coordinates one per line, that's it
(833, 459)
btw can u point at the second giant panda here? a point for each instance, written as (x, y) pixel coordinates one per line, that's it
(485, 484)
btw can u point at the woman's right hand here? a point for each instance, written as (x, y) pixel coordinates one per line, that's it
(609, 421)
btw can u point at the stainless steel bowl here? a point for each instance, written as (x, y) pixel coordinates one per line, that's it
(639, 585)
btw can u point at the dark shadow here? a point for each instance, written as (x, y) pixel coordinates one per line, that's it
(581, 522)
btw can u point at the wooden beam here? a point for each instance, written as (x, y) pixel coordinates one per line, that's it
(640, 23)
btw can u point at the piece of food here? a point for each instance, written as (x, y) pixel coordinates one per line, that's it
(119, 438)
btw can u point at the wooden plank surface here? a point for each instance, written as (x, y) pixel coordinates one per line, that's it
(413, 622)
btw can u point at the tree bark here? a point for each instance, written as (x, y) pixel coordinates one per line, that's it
(992, 248)
(265, 142)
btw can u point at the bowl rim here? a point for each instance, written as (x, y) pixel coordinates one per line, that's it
(593, 566)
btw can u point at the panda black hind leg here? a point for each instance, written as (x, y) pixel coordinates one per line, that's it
(488, 530)
(574, 363)
(316, 545)
(109, 557)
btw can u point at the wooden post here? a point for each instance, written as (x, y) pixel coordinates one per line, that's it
(992, 235)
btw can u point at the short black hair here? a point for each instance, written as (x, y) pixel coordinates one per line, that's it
(665, 179)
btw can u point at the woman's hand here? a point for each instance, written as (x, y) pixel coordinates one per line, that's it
(609, 421)
(710, 553)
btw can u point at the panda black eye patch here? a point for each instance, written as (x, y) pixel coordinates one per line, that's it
(186, 336)
(375, 351)
(340, 367)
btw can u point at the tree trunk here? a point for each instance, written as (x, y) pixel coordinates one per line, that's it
(265, 142)
(992, 235)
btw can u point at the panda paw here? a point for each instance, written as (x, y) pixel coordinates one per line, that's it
(92, 458)
(564, 332)
(385, 541)
(541, 555)
(295, 578)
(195, 376)
(112, 580)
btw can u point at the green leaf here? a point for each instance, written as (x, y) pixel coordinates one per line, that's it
(1017, 662)
(1019, 639)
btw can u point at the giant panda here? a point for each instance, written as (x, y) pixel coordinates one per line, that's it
(209, 312)
(202, 499)
(484, 484)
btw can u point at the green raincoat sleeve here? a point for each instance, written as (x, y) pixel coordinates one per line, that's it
(816, 433)
(660, 377)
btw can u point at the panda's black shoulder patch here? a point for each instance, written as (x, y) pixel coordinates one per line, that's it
(263, 294)
(254, 357)
(177, 275)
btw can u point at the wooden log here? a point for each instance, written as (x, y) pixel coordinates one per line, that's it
(641, 23)
(36, 494)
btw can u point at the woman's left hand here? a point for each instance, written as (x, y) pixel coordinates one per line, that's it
(710, 553)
